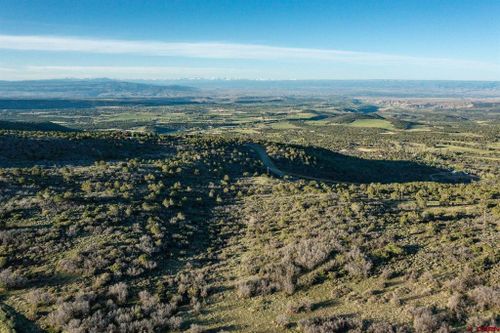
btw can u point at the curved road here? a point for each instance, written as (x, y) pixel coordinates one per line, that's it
(271, 167)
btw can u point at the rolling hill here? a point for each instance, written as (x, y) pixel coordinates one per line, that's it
(33, 126)
(89, 88)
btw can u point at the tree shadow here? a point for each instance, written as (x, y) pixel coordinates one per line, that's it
(229, 328)
(324, 304)
(336, 167)
(73, 149)
(21, 323)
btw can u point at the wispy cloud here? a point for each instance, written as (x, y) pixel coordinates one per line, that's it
(175, 70)
(221, 50)
(7, 69)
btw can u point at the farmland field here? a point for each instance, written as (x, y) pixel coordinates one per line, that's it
(373, 123)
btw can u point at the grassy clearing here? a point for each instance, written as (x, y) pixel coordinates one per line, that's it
(302, 115)
(485, 158)
(246, 131)
(132, 116)
(367, 150)
(419, 129)
(467, 209)
(322, 122)
(372, 123)
(467, 134)
(495, 145)
(284, 125)
(455, 148)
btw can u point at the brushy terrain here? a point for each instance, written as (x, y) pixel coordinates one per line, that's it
(370, 230)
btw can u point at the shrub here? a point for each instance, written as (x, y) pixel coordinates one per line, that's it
(395, 300)
(357, 264)
(464, 282)
(196, 329)
(387, 273)
(249, 287)
(37, 297)
(7, 322)
(485, 297)
(11, 279)
(304, 305)
(389, 251)
(119, 291)
(65, 312)
(282, 320)
(477, 320)
(309, 253)
(444, 328)
(101, 280)
(148, 301)
(424, 321)
(385, 327)
(175, 322)
(335, 324)
(457, 306)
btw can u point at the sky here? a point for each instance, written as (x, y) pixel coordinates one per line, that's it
(250, 39)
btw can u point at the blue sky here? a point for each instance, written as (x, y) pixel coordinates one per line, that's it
(447, 39)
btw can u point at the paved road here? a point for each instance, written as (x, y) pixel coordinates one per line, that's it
(266, 160)
(272, 168)
(453, 176)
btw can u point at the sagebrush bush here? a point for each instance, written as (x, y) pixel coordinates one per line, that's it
(485, 297)
(282, 320)
(357, 264)
(425, 321)
(11, 279)
(304, 305)
(119, 291)
(335, 324)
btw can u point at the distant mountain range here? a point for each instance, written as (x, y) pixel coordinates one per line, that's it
(366, 88)
(196, 88)
(90, 88)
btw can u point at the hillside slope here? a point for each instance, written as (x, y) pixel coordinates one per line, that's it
(91, 88)
(137, 232)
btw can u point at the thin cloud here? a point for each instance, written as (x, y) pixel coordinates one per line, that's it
(6, 69)
(219, 50)
(132, 69)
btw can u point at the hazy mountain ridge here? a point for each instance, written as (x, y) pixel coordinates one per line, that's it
(109, 88)
(89, 88)
(368, 88)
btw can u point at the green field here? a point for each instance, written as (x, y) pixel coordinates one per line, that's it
(372, 123)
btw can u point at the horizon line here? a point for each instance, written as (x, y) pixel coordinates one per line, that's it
(239, 79)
